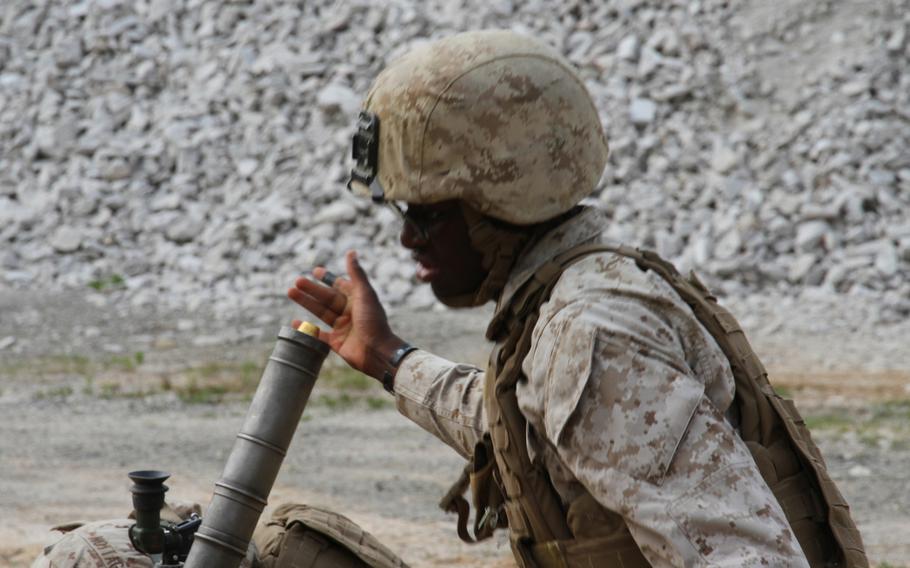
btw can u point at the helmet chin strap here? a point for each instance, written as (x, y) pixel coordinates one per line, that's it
(499, 247)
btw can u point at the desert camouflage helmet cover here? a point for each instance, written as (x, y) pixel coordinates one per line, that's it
(495, 118)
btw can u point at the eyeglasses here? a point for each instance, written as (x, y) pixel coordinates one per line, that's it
(421, 219)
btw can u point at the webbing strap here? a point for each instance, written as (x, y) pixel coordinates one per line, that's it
(532, 505)
(605, 552)
(453, 502)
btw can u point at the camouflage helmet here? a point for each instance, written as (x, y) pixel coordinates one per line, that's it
(494, 118)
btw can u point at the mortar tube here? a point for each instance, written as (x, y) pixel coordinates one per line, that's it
(242, 492)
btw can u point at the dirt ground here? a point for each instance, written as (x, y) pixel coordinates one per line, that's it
(91, 389)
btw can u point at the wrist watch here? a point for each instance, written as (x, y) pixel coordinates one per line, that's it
(388, 378)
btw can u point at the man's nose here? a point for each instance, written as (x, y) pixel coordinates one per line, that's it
(411, 237)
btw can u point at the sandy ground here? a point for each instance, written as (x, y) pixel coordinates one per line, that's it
(90, 390)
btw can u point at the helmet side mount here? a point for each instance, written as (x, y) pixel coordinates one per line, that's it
(365, 151)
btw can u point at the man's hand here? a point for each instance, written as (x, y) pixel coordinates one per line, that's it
(360, 330)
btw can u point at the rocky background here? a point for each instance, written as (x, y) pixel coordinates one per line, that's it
(167, 152)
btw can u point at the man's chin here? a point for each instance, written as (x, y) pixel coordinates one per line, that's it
(452, 299)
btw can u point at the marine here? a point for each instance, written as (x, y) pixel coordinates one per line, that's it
(623, 419)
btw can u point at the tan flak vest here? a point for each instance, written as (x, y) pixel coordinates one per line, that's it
(545, 535)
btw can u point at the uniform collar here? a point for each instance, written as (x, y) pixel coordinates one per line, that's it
(579, 229)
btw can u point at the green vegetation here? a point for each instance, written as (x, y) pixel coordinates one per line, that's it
(335, 402)
(109, 390)
(376, 403)
(838, 422)
(213, 382)
(895, 410)
(71, 365)
(873, 423)
(62, 392)
(107, 283)
(340, 388)
(345, 378)
(784, 392)
(123, 363)
(194, 393)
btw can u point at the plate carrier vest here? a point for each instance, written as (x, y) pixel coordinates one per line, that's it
(545, 535)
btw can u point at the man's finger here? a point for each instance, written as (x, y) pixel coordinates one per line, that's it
(329, 278)
(312, 305)
(359, 278)
(339, 283)
(356, 272)
(334, 299)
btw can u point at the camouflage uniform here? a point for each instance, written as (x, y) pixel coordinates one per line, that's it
(103, 544)
(625, 399)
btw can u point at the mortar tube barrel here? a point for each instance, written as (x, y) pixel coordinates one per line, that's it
(252, 466)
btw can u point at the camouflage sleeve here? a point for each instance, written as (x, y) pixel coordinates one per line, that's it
(443, 398)
(629, 418)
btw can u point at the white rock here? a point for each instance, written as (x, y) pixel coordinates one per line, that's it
(335, 98)
(269, 214)
(887, 260)
(810, 235)
(66, 239)
(898, 39)
(335, 212)
(729, 244)
(628, 48)
(166, 202)
(7, 342)
(648, 62)
(665, 41)
(246, 167)
(856, 87)
(397, 290)
(184, 229)
(800, 267)
(642, 111)
(702, 248)
(859, 471)
(58, 140)
(422, 298)
(903, 248)
(723, 158)
(113, 170)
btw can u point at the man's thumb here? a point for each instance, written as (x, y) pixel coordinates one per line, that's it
(355, 271)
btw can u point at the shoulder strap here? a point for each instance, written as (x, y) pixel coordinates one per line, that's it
(534, 509)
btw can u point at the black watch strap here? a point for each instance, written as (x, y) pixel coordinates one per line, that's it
(388, 378)
(400, 354)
